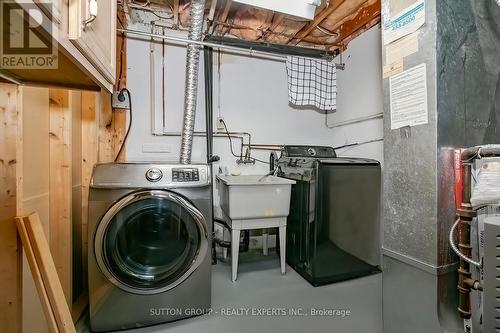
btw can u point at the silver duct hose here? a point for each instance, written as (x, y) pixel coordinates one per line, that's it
(191, 89)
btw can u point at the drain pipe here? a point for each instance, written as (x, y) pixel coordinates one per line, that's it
(191, 88)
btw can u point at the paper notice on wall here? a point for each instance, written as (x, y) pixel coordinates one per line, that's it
(401, 48)
(393, 69)
(406, 22)
(408, 97)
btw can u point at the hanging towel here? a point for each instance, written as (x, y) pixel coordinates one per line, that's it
(312, 82)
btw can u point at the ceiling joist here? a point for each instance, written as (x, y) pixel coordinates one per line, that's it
(320, 17)
(332, 27)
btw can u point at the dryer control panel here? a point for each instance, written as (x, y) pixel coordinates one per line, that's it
(149, 175)
(185, 175)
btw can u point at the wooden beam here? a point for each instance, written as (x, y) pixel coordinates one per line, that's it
(176, 13)
(223, 17)
(225, 12)
(277, 19)
(366, 18)
(302, 33)
(37, 276)
(349, 20)
(49, 273)
(10, 251)
(211, 12)
(119, 115)
(60, 187)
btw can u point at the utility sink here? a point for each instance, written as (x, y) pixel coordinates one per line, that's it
(254, 196)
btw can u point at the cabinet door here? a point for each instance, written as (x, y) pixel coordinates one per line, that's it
(97, 40)
(52, 9)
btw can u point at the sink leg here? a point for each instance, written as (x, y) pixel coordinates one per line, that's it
(264, 242)
(235, 248)
(282, 231)
(224, 249)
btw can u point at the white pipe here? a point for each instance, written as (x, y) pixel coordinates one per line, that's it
(152, 85)
(354, 120)
(239, 50)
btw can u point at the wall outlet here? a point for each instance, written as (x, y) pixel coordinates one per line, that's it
(220, 124)
(120, 101)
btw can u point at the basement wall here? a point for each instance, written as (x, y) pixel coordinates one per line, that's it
(252, 94)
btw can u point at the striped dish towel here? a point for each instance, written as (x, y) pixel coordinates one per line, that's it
(312, 82)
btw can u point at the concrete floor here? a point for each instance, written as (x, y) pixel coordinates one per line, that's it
(260, 285)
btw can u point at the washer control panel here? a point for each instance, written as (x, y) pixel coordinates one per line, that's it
(182, 175)
(154, 174)
(309, 151)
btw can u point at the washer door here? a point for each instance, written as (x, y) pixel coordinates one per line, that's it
(150, 241)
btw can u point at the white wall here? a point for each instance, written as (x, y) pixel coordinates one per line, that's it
(253, 98)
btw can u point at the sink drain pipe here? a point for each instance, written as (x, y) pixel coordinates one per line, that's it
(191, 88)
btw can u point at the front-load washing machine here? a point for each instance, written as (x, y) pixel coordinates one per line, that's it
(149, 244)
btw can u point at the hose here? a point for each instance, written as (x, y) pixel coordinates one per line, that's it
(455, 248)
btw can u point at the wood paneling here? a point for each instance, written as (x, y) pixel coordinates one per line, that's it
(10, 253)
(35, 189)
(107, 145)
(60, 187)
(88, 160)
(78, 283)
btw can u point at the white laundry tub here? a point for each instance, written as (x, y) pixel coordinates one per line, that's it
(254, 196)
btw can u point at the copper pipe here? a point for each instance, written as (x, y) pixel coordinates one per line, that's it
(465, 214)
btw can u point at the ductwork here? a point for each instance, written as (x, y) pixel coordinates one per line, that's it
(191, 89)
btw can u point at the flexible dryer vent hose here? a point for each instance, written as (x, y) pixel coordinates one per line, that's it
(191, 88)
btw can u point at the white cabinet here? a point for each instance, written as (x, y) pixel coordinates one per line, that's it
(97, 39)
(53, 9)
(86, 56)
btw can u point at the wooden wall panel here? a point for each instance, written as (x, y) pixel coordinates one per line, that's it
(106, 141)
(89, 159)
(76, 195)
(60, 187)
(48, 170)
(120, 116)
(35, 190)
(10, 253)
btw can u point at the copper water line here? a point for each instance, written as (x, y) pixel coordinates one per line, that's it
(465, 214)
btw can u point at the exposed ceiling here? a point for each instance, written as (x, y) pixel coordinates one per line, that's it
(335, 24)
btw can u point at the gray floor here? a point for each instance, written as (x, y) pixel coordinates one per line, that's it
(260, 285)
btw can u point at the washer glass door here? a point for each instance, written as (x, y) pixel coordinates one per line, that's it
(150, 241)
